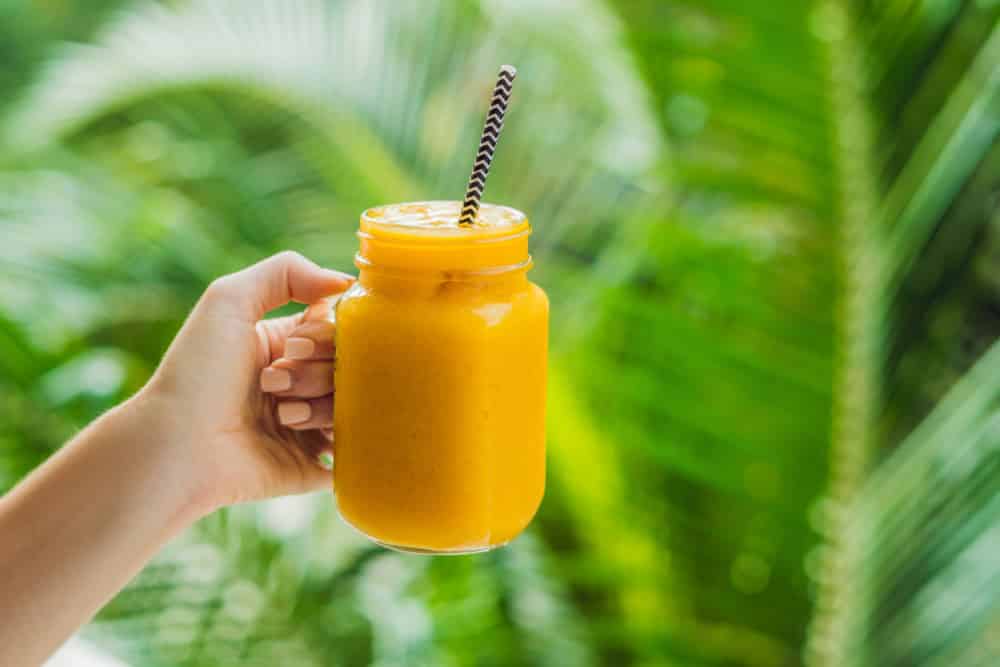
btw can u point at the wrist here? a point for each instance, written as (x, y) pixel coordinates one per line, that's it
(152, 423)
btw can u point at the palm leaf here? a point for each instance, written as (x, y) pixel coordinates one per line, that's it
(413, 128)
(926, 527)
(881, 259)
(721, 345)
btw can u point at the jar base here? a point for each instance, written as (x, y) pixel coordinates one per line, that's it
(461, 551)
(420, 551)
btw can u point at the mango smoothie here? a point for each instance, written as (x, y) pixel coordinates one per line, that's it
(439, 435)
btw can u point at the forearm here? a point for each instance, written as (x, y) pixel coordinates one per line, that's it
(81, 526)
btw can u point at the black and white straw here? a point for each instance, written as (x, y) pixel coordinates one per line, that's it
(487, 144)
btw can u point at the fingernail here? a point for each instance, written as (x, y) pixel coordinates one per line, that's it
(275, 379)
(299, 348)
(294, 412)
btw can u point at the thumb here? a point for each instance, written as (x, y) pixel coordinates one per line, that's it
(273, 282)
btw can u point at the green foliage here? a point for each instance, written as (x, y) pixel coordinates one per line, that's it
(769, 234)
(927, 526)
(912, 230)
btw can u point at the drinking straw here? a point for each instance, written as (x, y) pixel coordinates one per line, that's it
(487, 144)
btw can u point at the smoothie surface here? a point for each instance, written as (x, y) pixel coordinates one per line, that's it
(442, 217)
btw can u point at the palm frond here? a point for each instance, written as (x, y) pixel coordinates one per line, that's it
(862, 320)
(961, 135)
(729, 315)
(406, 111)
(926, 526)
(882, 246)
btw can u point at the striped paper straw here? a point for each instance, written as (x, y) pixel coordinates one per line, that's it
(487, 145)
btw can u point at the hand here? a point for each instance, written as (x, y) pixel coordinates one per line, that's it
(250, 401)
(199, 435)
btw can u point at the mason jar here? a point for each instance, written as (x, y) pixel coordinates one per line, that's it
(441, 353)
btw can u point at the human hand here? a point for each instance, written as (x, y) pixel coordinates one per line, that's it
(199, 435)
(249, 401)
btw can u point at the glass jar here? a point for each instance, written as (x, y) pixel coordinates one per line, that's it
(439, 411)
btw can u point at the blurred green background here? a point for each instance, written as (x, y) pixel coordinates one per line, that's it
(770, 234)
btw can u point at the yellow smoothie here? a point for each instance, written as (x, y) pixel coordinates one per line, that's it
(439, 434)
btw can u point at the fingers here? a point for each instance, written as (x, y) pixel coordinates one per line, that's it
(314, 324)
(302, 380)
(310, 340)
(296, 432)
(322, 310)
(273, 282)
(299, 379)
(271, 336)
(301, 415)
(313, 338)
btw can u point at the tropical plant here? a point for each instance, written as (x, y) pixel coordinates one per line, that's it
(750, 328)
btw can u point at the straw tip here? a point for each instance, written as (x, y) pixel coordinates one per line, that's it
(509, 69)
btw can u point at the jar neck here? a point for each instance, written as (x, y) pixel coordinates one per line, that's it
(481, 254)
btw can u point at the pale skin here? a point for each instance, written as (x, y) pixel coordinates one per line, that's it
(239, 410)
